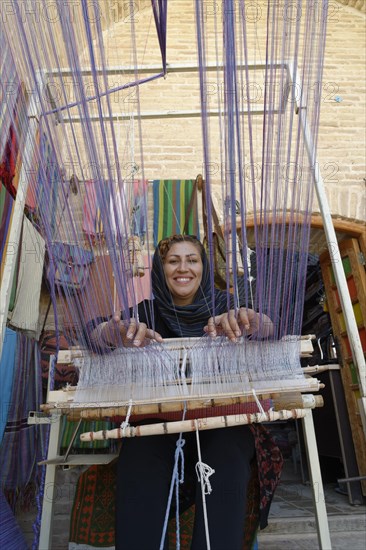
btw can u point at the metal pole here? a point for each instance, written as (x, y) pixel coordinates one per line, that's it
(151, 69)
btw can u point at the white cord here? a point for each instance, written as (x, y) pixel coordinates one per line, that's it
(203, 473)
(126, 423)
(259, 404)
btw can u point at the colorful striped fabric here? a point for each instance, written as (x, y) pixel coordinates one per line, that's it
(68, 429)
(171, 201)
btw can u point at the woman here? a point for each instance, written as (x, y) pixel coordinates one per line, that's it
(182, 307)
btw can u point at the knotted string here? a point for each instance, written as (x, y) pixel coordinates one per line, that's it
(204, 471)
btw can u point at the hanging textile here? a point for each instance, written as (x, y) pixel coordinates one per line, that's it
(11, 536)
(92, 224)
(33, 190)
(62, 374)
(68, 429)
(11, 161)
(93, 512)
(70, 265)
(21, 445)
(6, 376)
(139, 209)
(171, 202)
(6, 214)
(25, 313)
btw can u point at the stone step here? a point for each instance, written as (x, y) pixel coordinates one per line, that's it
(304, 525)
(339, 540)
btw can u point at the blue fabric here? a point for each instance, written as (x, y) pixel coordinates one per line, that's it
(7, 376)
(11, 537)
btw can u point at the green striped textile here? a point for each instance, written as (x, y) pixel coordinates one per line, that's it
(171, 201)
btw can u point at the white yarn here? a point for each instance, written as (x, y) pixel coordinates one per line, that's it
(208, 368)
(259, 404)
(126, 423)
(203, 472)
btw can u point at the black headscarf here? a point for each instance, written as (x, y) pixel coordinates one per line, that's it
(186, 321)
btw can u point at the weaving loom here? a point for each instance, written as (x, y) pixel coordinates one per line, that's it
(258, 154)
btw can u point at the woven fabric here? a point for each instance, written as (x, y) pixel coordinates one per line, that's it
(68, 430)
(171, 201)
(11, 537)
(6, 214)
(92, 516)
(63, 374)
(7, 364)
(11, 161)
(21, 446)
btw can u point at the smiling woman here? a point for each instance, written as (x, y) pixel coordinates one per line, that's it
(185, 304)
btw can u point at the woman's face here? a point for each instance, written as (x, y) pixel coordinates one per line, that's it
(183, 272)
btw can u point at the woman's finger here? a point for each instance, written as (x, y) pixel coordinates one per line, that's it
(233, 323)
(131, 329)
(210, 328)
(244, 317)
(140, 334)
(153, 335)
(226, 328)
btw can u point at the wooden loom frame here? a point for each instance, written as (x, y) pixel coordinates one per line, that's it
(53, 419)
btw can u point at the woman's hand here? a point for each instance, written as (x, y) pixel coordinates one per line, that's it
(235, 323)
(116, 331)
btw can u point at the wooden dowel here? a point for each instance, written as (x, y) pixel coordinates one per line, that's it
(190, 425)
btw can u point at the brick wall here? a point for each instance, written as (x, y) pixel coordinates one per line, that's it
(173, 148)
(342, 143)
